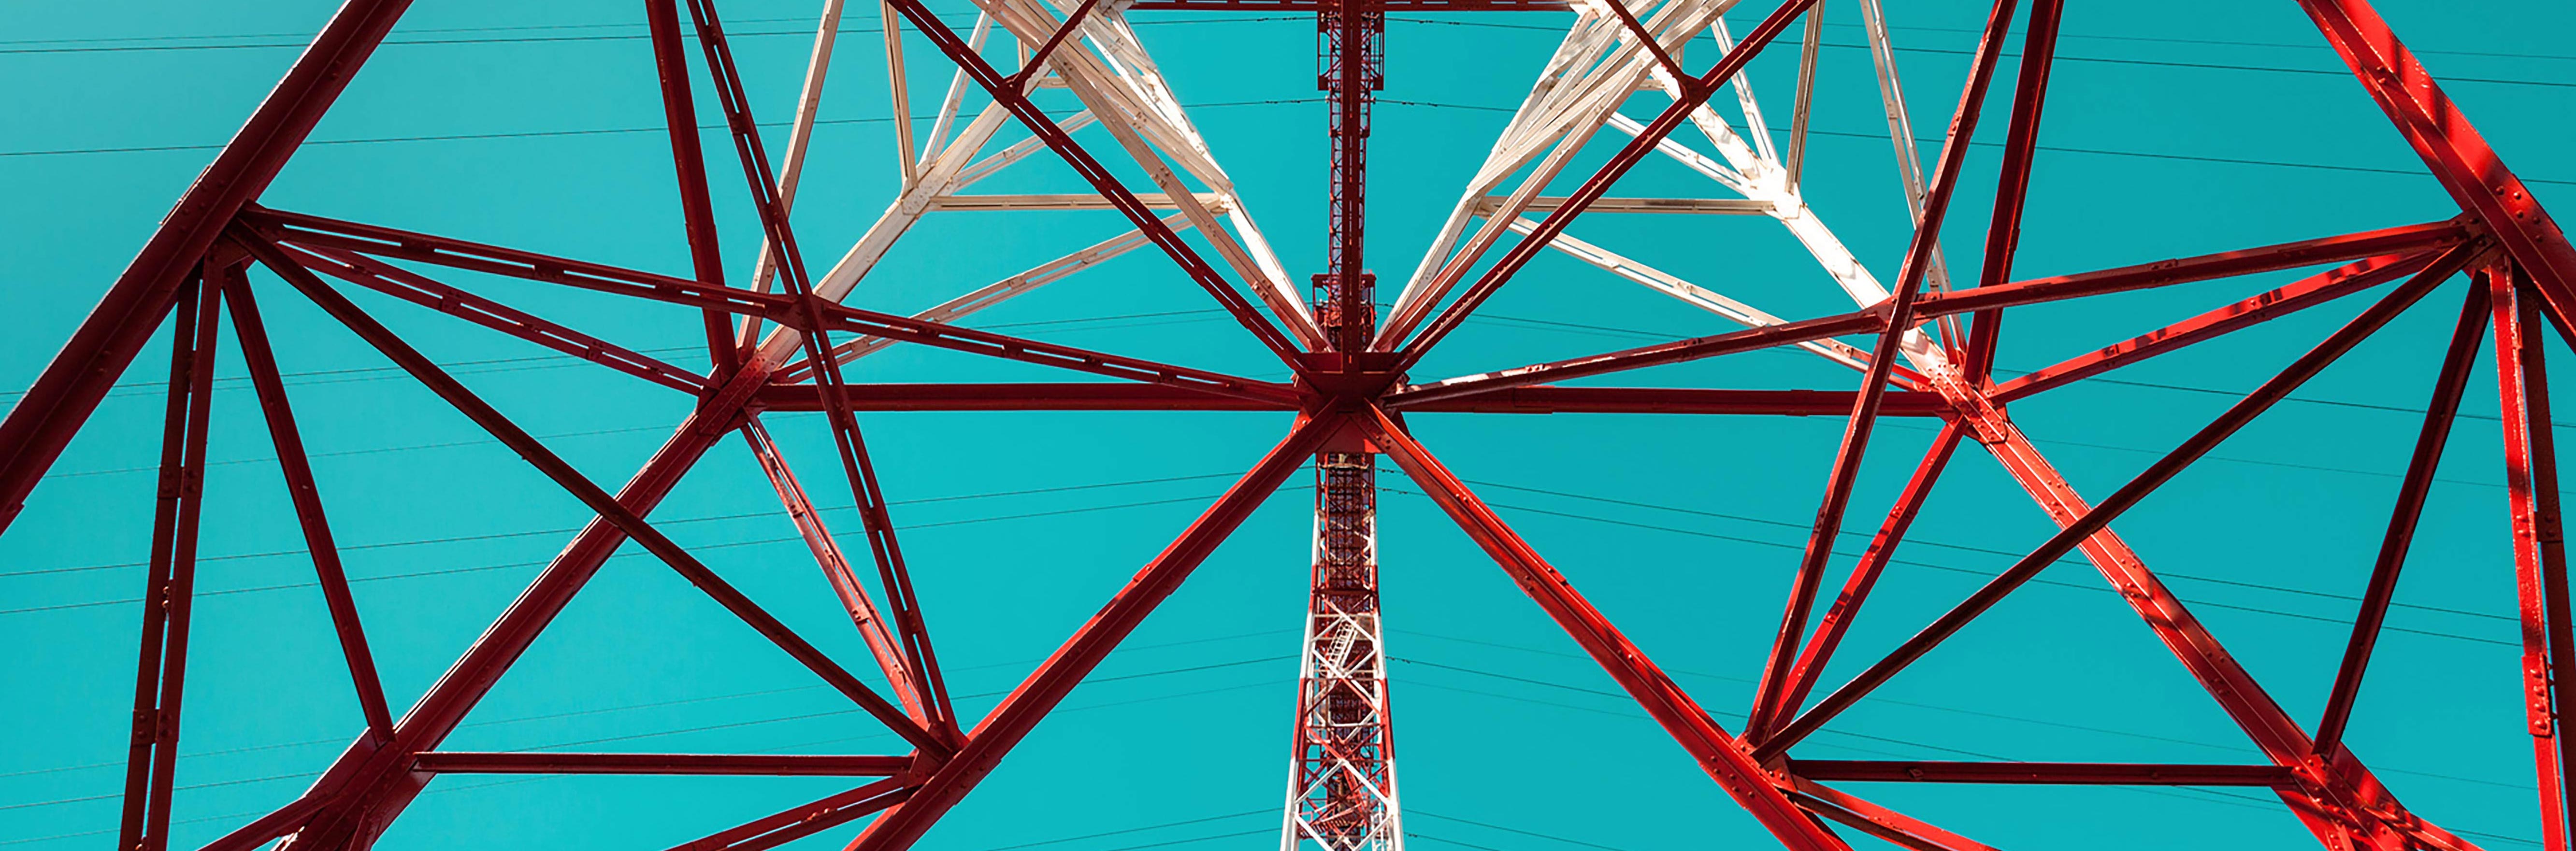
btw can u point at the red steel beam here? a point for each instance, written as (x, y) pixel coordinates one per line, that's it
(1018, 713)
(261, 361)
(2308, 292)
(1696, 348)
(777, 765)
(1012, 396)
(1864, 577)
(1864, 413)
(421, 290)
(845, 318)
(2129, 495)
(872, 627)
(2429, 443)
(2012, 186)
(803, 821)
(1551, 399)
(1695, 92)
(2539, 543)
(591, 495)
(2409, 239)
(998, 86)
(169, 589)
(2412, 238)
(866, 494)
(1717, 752)
(71, 386)
(2451, 148)
(1876, 820)
(1539, 399)
(311, 231)
(697, 212)
(370, 784)
(2047, 773)
(1322, 5)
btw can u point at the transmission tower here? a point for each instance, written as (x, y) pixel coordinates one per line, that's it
(1921, 342)
(1341, 772)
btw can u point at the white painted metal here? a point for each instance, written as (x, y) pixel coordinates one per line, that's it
(999, 291)
(800, 137)
(1549, 126)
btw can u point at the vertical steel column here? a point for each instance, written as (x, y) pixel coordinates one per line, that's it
(1341, 771)
(163, 668)
(2539, 543)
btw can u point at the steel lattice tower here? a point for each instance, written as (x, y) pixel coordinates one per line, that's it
(1922, 344)
(1341, 774)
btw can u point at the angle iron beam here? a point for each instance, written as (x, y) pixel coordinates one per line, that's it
(1020, 711)
(2259, 308)
(2430, 440)
(2048, 773)
(773, 765)
(42, 423)
(1717, 752)
(2130, 494)
(260, 360)
(427, 292)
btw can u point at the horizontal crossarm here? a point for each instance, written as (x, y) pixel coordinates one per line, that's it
(2045, 773)
(780, 765)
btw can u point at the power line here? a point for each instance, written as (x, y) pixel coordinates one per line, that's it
(2063, 57)
(538, 563)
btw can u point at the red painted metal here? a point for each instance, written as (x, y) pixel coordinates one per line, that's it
(1018, 713)
(872, 627)
(697, 211)
(2273, 304)
(1864, 414)
(318, 234)
(1012, 396)
(418, 289)
(2163, 470)
(1717, 752)
(2429, 443)
(304, 230)
(800, 822)
(1322, 5)
(2539, 541)
(1551, 399)
(2056, 773)
(384, 768)
(1342, 790)
(1801, 676)
(1876, 820)
(79, 375)
(169, 589)
(2451, 148)
(1696, 348)
(598, 499)
(1036, 63)
(778, 765)
(2408, 239)
(261, 362)
(2413, 238)
(2012, 184)
(918, 659)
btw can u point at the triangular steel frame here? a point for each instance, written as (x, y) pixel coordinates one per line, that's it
(191, 268)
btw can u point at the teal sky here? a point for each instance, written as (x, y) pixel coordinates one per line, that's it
(2173, 129)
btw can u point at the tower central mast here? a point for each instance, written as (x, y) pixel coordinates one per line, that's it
(1341, 781)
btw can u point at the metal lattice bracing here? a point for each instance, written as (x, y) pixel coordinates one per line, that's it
(1921, 342)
